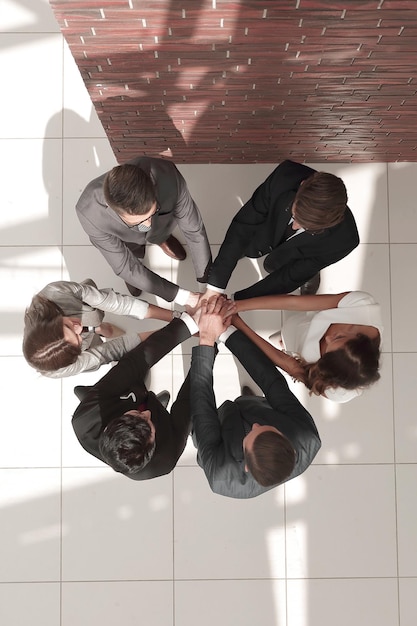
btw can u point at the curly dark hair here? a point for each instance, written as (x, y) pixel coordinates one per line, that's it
(355, 366)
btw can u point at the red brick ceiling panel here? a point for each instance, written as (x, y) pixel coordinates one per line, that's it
(243, 82)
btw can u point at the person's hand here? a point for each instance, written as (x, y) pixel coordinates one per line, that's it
(109, 331)
(192, 302)
(213, 319)
(228, 309)
(208, 294)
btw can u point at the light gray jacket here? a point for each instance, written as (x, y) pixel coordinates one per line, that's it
(115, 239)
(85, 301)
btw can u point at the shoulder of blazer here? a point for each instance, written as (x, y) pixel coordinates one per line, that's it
(347, 229)
(295, 171)
(288, 176)
(154, 166)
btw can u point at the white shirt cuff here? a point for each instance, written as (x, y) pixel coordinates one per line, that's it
(225, 336)
(139, 308)
(189, 322)
(216, 289)
(182, 296)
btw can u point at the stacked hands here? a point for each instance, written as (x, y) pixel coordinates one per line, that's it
(214, 313)
(213, 316)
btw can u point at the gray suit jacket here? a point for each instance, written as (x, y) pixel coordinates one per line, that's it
(86, 302)
(115, 239)
(218, 433)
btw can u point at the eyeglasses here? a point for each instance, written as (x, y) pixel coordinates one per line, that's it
(158, 208)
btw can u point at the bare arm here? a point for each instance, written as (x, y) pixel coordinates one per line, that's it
(147, 333)
(158, 313)
(288, 302)
(284, 361)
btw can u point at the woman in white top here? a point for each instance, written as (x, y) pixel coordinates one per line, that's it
(330, 342)
(64, 325)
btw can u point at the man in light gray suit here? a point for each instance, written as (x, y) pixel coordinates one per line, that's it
(142, 202)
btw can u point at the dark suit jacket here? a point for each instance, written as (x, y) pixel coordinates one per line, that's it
(218, 433)
(115, 239)
(123, 389)
(258, 229)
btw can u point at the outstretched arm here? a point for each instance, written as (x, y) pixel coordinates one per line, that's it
(284, 361)
(134, 366)
(112, 302)
(289, 302)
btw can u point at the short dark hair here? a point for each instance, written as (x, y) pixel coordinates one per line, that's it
(44, 346)
(125, 444)
(271, 459)
(320, 201)
(355, 366)
(129, 189)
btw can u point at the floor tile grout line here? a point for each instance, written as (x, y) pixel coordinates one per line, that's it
(393, 394)
(61, 617)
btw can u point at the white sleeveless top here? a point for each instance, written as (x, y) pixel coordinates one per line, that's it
(302, 330)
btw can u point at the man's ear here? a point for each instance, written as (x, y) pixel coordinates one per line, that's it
(246, 469)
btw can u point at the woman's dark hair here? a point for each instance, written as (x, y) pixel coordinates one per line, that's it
(320, 201)
(126, 445)
(44, 346)
(271, 459)
(128, 189)
(354, 366)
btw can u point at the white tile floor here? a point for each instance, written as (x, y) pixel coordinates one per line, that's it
(81, 546)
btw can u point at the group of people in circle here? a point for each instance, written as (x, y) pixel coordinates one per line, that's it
(299, 221)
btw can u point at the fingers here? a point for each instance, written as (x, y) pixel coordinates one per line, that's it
(218, 304)
(228, 309)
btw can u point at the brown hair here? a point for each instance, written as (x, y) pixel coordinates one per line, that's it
(271, 459)
(44, 346)
(128, 189)
(355, 366)
(320, 201)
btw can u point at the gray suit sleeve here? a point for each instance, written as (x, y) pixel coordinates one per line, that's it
(191, 224)
(207, 434)
(266, 376)
(92, 359)
(112, 302)
(130, 268)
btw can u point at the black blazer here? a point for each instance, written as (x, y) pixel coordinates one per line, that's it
(218, 433)
(123, 389)
(258, 229)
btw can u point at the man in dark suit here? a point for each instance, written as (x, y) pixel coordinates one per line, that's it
(253, 444)
(299, 219)
(142, 202)
(126, 426)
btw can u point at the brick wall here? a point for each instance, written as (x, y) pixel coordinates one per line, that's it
(221, 81)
